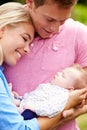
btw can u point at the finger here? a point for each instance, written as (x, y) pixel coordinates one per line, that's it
(83, 96)
(82, 93)
(15, 94)
(10, 85)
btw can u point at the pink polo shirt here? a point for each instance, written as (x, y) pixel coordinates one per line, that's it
(47, 57)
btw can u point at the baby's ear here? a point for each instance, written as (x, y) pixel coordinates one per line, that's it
(76, 66)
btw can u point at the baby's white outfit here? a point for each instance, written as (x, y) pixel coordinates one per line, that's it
(46, 100)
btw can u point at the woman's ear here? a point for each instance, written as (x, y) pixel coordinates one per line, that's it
(2, 31)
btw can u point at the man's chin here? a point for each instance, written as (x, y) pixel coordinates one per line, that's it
(46, 36)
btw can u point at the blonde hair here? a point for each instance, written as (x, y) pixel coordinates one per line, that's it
(11, 14)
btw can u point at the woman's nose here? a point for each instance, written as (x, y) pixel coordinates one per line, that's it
(26, 49)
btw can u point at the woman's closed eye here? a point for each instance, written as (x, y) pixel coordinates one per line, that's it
(25, 37)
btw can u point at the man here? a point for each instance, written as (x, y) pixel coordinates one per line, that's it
(48, 15)
(62, 42)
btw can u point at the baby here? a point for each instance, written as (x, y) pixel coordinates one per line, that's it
(52, 98)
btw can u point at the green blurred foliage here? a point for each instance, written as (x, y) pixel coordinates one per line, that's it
(4, 1)
(80, 13)
(21, 1)
(82, 122)
(84, 2)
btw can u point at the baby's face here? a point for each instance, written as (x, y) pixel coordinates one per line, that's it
(67, 77)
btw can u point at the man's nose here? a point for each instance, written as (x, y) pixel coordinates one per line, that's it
(55, 28)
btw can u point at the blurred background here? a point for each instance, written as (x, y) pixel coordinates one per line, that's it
(79, 13)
